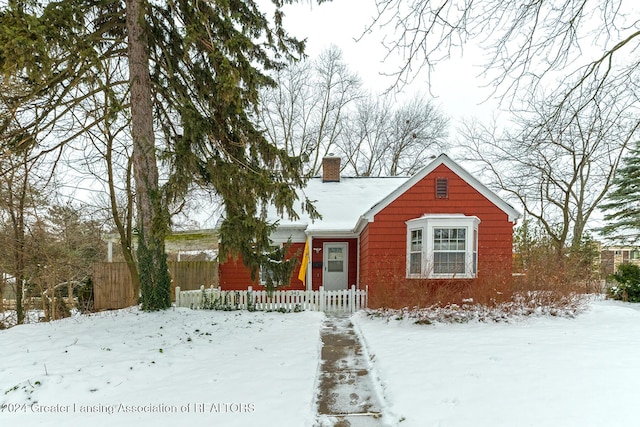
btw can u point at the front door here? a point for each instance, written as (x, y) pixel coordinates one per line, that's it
(335, 274)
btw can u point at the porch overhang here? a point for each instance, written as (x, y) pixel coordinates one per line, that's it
(330, 234)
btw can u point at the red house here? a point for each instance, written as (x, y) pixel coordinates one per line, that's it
(441, 224)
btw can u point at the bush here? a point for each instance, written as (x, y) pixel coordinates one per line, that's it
(628, 279)
(545, 283)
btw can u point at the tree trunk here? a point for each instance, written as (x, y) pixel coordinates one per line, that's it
(17, 218)
(123, 225)
(19, 244)
(152, 215)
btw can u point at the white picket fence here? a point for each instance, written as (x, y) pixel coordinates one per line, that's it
(343, 301)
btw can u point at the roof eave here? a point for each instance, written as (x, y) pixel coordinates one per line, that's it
(332, 233)
(362, 223)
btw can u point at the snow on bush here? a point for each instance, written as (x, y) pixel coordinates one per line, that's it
(538, 303)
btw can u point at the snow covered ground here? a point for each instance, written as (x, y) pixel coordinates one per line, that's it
(541, 371)
(179, 367)
(205, 368)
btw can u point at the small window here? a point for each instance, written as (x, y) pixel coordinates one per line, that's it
(442, 188)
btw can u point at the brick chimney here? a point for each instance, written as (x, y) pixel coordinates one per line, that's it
(331, 169)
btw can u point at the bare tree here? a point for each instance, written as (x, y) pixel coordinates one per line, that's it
(103, 155)
(366, 135)
(587, 44)
(383, 139)
(305, 112)
(16, 203)
(21, 182)
(418, 131)
(320, 107)
(559, 170)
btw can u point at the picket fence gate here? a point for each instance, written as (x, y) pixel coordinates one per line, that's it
(342, 301)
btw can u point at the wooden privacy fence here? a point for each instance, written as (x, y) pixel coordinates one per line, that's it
(112, 287)
(343, 301)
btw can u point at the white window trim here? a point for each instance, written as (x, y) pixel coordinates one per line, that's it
(428, 223)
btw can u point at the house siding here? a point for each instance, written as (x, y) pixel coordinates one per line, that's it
(235, 276)
(385, 243)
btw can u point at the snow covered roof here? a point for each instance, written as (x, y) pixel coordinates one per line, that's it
(341, 204)
(346, 205)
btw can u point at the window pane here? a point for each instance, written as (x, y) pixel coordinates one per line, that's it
(415, 263)
(475, 263)
(335, 254)
(449, 262)
(264, 274)
(475, 251)
(449, 239)
(335, 266)
(416, 240)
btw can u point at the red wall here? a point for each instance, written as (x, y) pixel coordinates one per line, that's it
(234, 275)
(383, 242)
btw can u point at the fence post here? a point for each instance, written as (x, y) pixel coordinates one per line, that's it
(352, 299)
(321, 298)
(366, 297)
(177, 296)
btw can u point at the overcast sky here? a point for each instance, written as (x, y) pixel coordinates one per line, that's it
(340, 22)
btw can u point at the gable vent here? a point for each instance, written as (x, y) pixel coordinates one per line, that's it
(442, 188)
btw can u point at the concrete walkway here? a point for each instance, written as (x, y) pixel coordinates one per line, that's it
(347, 395)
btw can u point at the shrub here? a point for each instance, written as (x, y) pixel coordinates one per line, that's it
(389, 288)
(628, 279)
(546, 282)
(225, 301)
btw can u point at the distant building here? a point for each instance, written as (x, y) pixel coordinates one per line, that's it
(613, 256)
(191, 245)
(7, 286)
